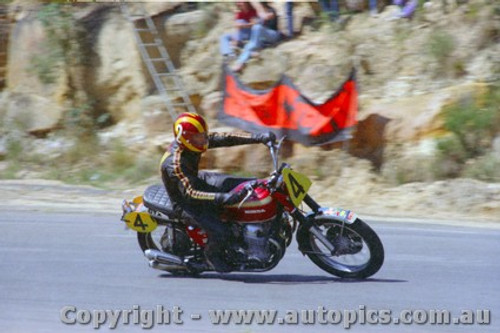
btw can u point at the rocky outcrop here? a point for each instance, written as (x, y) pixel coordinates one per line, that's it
(403, 82)
(31, 113)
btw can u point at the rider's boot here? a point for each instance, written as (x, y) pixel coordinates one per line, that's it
(214, 254)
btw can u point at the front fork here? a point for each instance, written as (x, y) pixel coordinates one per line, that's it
(307, 224)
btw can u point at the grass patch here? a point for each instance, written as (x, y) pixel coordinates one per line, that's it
(441, 46)
(91, 163)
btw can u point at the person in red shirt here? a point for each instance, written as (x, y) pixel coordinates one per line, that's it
(245, 17)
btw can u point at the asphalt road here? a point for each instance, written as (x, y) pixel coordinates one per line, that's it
(86, 262)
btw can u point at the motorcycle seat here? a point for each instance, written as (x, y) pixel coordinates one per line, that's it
(156, 198)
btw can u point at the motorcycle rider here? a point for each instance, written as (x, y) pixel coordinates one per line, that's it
(201, 194)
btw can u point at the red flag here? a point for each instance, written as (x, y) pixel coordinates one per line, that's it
(283, 110)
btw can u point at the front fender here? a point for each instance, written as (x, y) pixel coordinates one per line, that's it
(338, 214)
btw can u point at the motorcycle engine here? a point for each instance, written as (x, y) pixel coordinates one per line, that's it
(256, 236)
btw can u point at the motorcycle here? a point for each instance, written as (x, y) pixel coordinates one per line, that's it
(263, 225)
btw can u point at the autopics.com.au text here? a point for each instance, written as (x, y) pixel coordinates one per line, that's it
(160, 315)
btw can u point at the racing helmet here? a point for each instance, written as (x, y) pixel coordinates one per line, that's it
(191, 132)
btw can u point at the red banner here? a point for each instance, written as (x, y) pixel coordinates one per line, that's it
(283, 110)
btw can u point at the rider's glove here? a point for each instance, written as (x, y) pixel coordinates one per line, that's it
(230, 198)
(264, 137)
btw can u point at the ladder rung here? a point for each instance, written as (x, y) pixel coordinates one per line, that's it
(149, 44)
(156, 59)
(165, 74)
(144, 29)
(179, 104)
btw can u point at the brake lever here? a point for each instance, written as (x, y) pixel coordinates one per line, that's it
(250, 188)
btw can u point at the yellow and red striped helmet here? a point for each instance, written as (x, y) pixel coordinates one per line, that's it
(191, 132)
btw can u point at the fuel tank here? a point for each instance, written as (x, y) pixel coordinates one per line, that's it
(260, 207)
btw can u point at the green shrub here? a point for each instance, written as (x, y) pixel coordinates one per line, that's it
(450, 158)
(61, 47)
(485, 168)
(400, 170)
(473, 123)
(15, 148)
(441, 46)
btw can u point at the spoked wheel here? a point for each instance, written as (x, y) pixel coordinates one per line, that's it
(357, 250)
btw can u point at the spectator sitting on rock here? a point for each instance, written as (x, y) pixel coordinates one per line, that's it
(246, 16)
(263, 33)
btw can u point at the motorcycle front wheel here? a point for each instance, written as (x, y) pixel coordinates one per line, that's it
(357, 250)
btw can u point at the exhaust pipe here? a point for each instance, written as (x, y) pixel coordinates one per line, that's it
(163, 257)
(165, 267)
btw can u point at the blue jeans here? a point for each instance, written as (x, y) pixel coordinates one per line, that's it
(258, 38)
(331, 7)
(243, 34)
(289, 17)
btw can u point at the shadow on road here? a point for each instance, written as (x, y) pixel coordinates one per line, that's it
(281, 278)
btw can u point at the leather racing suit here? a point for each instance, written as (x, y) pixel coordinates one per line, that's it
(199, 193)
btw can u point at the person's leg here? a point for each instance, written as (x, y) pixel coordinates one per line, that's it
(251, 46)
(325, 5)
(289, 17)
(373, 7)
(335, 8)
(225, 44)
(219, 236)
(268, 37)
(331, 7)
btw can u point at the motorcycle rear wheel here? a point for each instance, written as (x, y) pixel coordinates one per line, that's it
(358, 253)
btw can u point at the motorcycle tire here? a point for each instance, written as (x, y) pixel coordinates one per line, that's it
(357, 238)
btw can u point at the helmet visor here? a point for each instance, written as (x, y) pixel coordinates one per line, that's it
(199, 139)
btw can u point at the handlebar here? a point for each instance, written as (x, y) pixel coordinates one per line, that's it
(274, 148)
